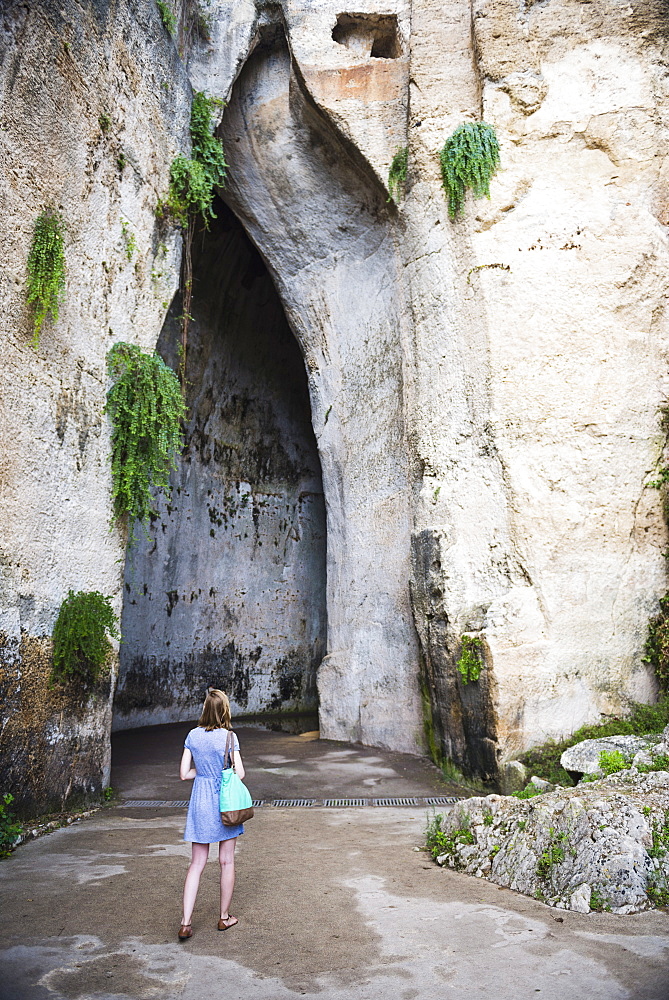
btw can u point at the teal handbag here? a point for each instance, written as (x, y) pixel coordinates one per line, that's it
(235, 800)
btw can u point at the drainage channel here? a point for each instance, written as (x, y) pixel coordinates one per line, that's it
(434, 800)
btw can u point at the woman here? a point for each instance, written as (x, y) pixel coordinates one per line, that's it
(203, 760)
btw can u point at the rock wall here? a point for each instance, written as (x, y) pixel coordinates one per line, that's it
(94, 106)
(228, 588)
(322, 224)
(531, 331)
(539, 362)
(484, 393)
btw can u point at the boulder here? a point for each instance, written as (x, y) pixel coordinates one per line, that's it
(583, 758)
(513, 776)
(601, 845)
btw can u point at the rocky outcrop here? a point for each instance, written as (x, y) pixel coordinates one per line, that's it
(602, 845)
(584, 758)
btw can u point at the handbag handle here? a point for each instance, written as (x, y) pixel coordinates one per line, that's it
(229, 749)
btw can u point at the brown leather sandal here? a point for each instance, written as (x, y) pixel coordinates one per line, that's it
(224, 925)
(185, 931)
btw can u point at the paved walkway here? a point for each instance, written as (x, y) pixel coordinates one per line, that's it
(334, 903)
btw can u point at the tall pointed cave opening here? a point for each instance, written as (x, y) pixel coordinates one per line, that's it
(228, 589)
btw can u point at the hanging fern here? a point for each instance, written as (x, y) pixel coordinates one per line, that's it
(190, 191)
(193, 179)
(191, 195)
(146, 408)
(397, 174)
(80, 643)
(46, 270)
(468, 160)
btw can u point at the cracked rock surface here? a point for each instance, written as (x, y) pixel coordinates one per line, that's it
(597, 846)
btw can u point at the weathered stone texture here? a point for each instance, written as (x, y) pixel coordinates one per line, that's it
(534, 393)
(63, 67)
(574, 848)
(483, 392)
(577, 338)
(322, 226)
(228, 588)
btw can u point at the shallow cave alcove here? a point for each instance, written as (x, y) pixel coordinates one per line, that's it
(228, 586)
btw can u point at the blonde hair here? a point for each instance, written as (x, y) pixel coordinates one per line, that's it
(215, 711)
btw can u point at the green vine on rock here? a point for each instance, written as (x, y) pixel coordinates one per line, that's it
(656, 652)
(470, 662)
(193, 179)
(397, 174)
(46, 270)
(468, 160)
(191, 194)
(146, 409)
(167, 16)
(80, 643)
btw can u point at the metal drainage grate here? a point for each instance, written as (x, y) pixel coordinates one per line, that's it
(294, 802)
(393, 802)
(435, 800)
(344, 802)
(156, 803)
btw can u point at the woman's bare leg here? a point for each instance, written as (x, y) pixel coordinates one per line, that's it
(226, 858)
(200, 854)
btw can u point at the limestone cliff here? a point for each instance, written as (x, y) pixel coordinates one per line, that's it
(478, 402)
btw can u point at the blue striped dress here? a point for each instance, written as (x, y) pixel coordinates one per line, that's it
(203, 822)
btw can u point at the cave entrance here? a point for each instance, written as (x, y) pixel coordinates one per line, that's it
(229, 588)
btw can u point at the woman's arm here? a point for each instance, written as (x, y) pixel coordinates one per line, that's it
(239, 767)
(186, 770)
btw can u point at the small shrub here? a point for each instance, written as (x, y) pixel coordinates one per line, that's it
(553, 855)
(598, 902)
(167, 16)
(660, 762)
(397, 173)
(104, 121)
(528, 792)
(46, 269)
(80, 643)
(469, 664)
(658, 887)
(611, 761)
(468, 160)
(128, 239)
(146, 408)
(658, 895)
(487, 818)
(10, 829)
(660, 837)
(438, 842)
(190, 192)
